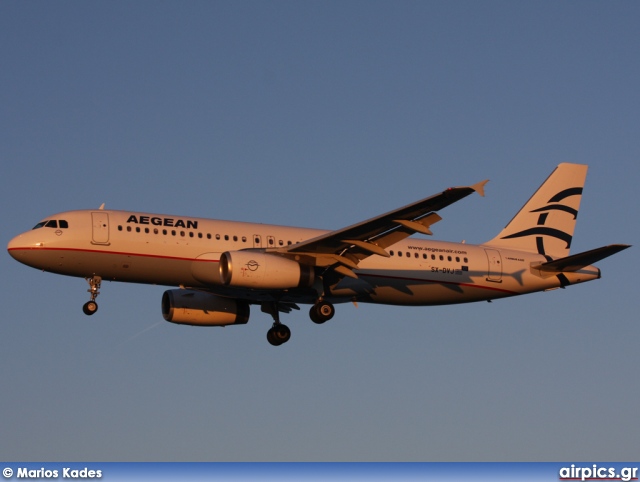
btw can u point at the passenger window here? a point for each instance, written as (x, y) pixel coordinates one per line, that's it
(417, 255)
(128, 229)
(457, 259)
(217, 236)
(448, 258)
(433, 257)
(209, 236)
(235, 238)
(137, 230)
(226, 237)
(200, 235)
(244, 239)
(119, 228)
(466, 260)
(441, 258)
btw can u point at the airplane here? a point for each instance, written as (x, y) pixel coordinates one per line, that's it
(221, 268)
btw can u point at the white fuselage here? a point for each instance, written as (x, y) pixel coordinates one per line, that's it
(180, 251)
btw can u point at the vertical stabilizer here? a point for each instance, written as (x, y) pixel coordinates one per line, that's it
(546, 223)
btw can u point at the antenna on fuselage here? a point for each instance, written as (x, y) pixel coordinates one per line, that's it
(101, 207)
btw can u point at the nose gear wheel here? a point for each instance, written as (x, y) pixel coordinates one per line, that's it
(90, 307)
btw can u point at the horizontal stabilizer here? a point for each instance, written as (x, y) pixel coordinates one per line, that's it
(578, 261)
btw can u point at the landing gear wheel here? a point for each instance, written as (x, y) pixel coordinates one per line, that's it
(322, 311)
(278, 334)
(90, 307)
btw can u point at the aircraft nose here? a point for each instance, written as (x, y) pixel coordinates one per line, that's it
(27, 248)
(20, 248)
(13, 247)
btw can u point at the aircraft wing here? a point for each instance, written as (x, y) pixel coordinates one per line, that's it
(344, 248)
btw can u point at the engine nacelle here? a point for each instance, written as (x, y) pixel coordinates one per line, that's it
(187, 307)
(251, 269)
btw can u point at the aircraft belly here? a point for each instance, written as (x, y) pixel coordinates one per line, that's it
(415, 288)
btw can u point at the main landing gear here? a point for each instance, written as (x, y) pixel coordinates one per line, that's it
(278, 334)
(90, 307)
(322, 311)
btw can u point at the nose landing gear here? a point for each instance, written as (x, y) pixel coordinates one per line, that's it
(90, 307)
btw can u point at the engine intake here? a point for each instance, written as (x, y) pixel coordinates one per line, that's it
(251, 269)
(187, 307)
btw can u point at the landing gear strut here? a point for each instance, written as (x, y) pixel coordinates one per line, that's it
(278, 333)
(322, 311)
(90, 307)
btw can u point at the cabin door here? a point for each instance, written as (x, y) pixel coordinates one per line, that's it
(100, 223)
(495, 265)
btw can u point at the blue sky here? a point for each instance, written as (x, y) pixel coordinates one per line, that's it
(319, 114)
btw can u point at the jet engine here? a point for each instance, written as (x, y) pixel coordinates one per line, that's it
(251, 269)
(187, 307)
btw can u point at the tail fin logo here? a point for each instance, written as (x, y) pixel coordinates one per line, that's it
(541, 230)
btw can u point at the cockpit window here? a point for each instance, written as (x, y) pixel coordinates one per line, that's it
(52, 223)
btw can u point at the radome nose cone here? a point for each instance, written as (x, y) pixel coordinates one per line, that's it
(13, 245)
(19, 248)
(14, 248)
